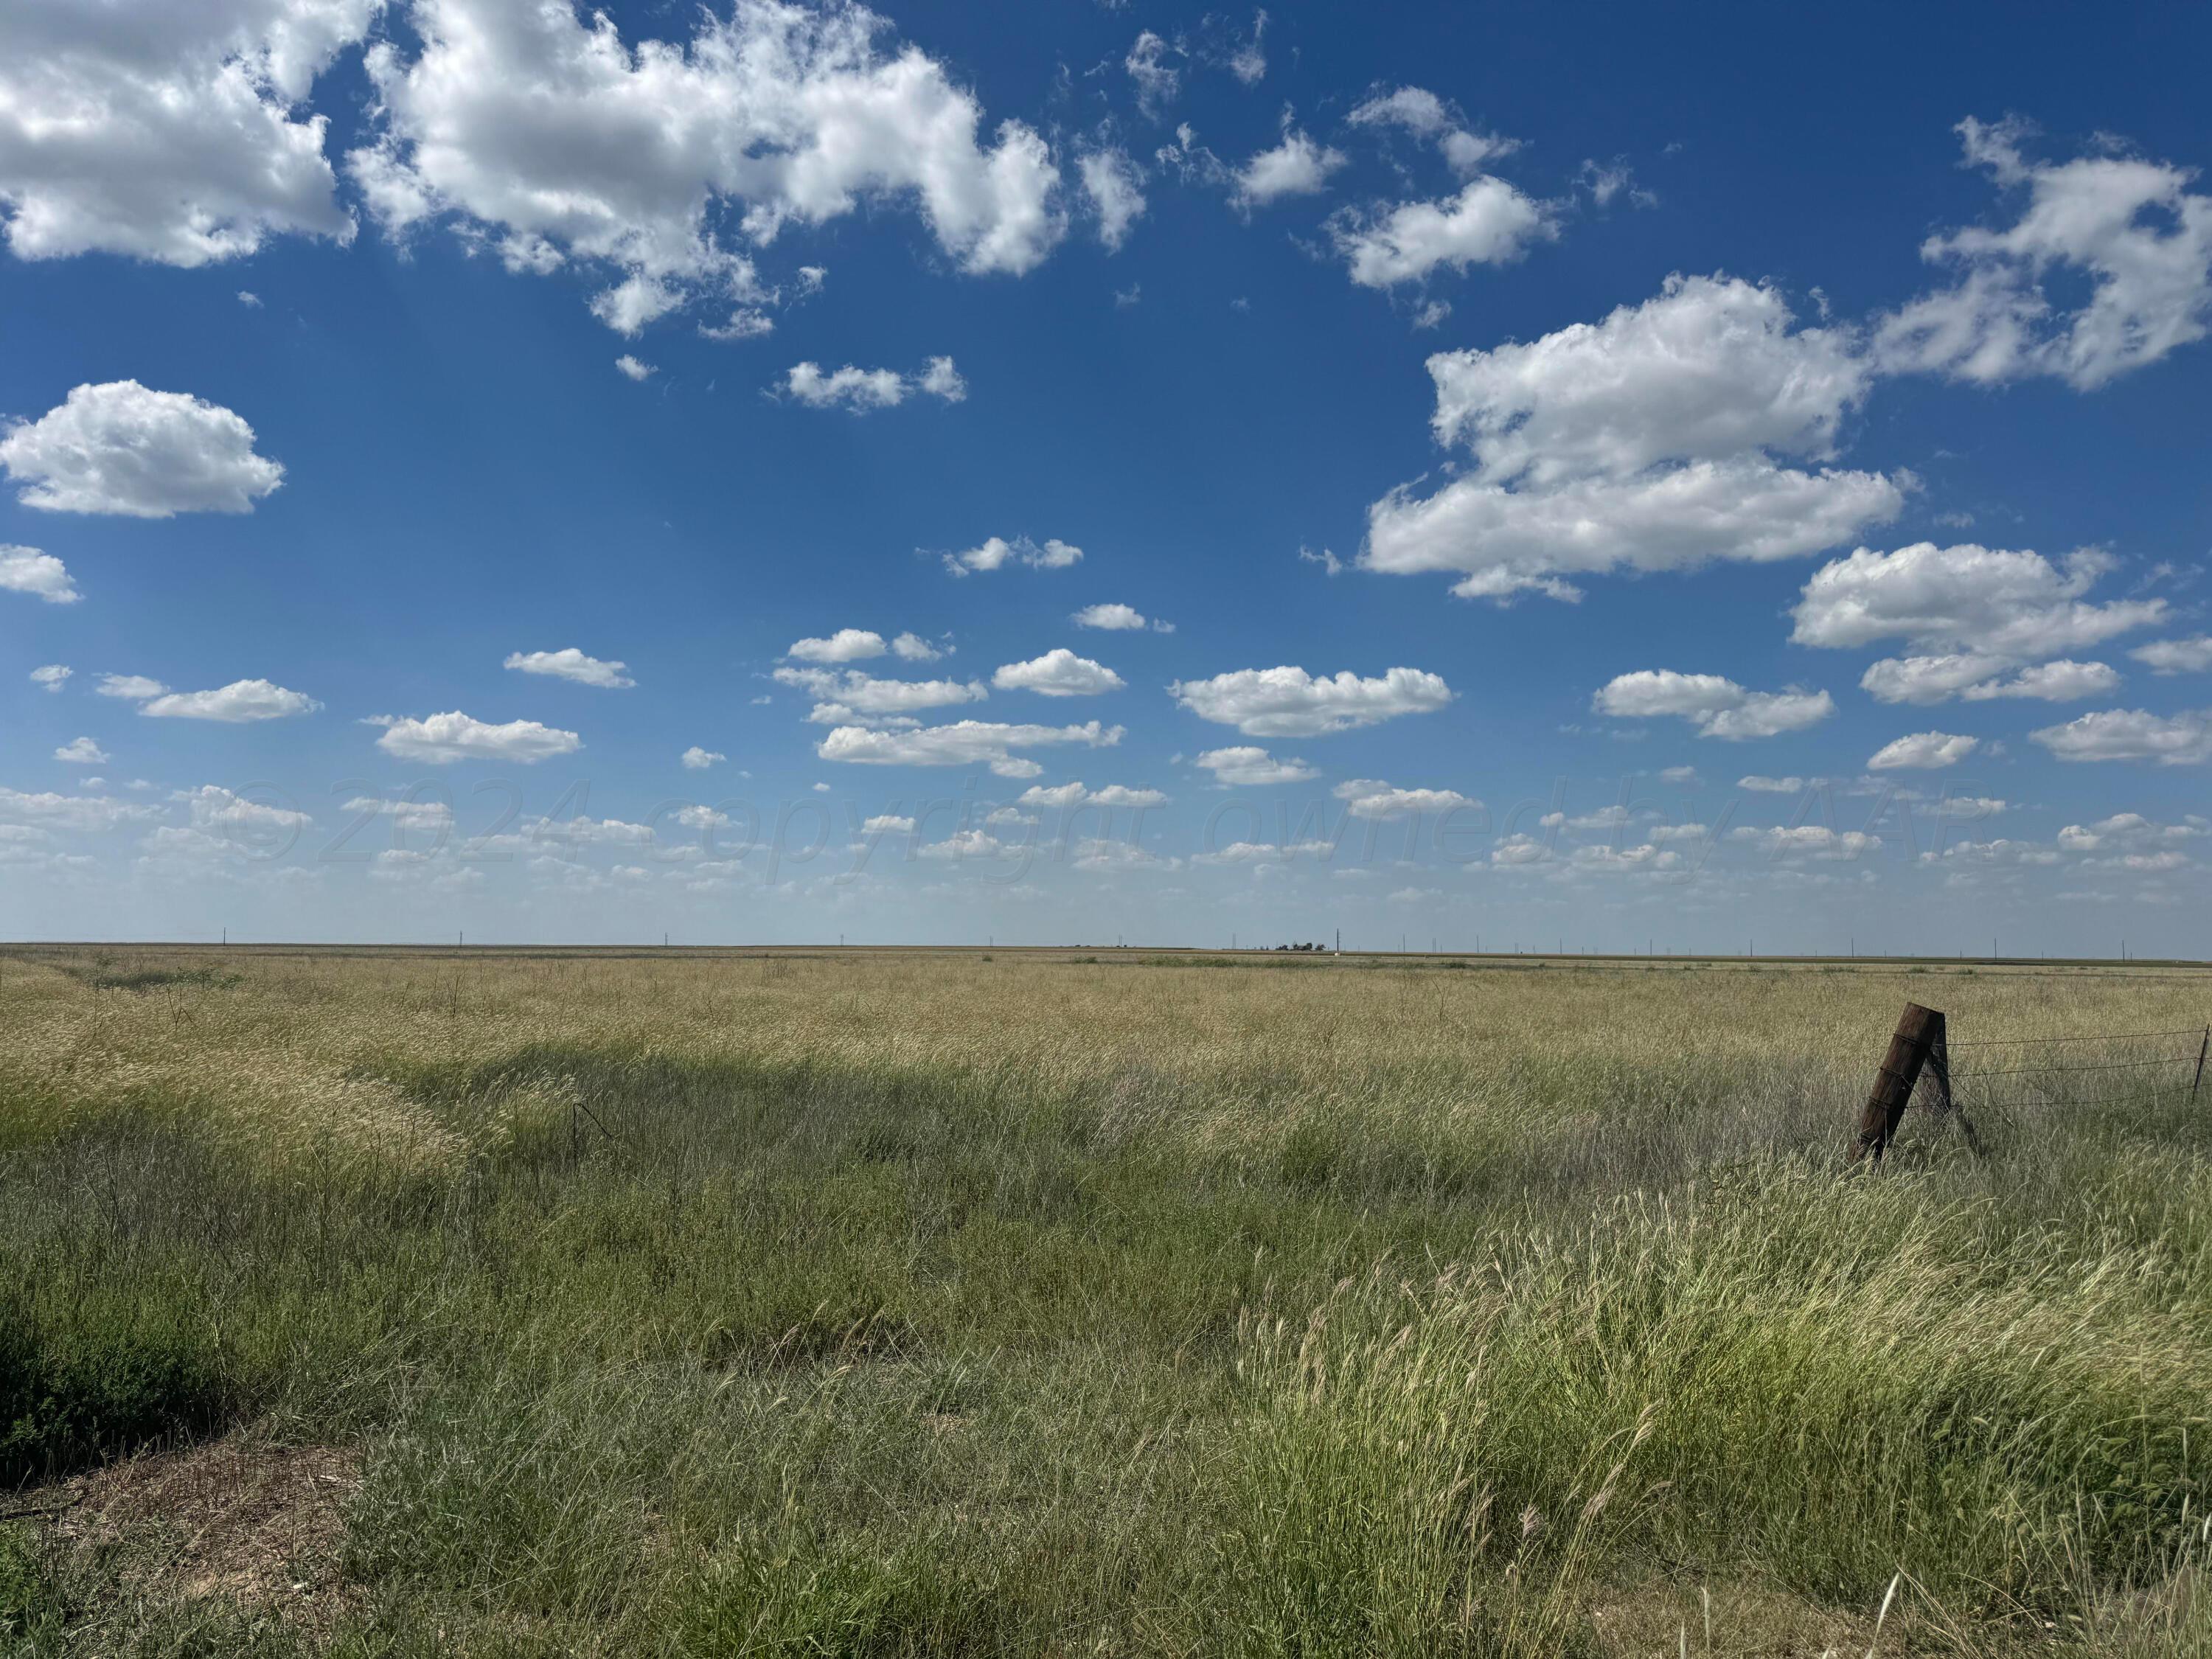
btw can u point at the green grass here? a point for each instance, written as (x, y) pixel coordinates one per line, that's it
(33, 1614)
(1179, 1324)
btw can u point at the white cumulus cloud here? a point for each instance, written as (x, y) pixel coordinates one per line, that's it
(82, 751)
(1370, 797)
(406, 813)
(1646, 442)
(940, 379)
(2006, 606)
(1419, 112)
(862, 390)
(2131, 833)
(1114, 185)
(1809, 841)
(1922, 751)
(2122, 734)
(1711, 368)
(1065, 796)
(570, 664)
(1295, 167)
(1289, 702)
(120, 448)
(1717, 707)
(912, 648)
(43, 576)
(1058, 674)
(964, 742)
(1416, 109)
(2129, 230)
(440, 740)
(846, 645)
(168, 132)
(78, 814)
(240, 702)
(996, 553)
(131, 688)
(1504, 542)
(1979, 679)
(1489, 222)
(665, 166)
(855, 697)
(696, 759)
(1243, 766)
(2192, 656)
(745, 323)
(1117, 617)
(2000, 851)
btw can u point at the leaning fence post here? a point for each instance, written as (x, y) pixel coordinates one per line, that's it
(1947, 1105)
(1919, 1030)
(2201, 1050)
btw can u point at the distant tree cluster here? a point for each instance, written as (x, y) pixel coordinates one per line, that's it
(1298, 947)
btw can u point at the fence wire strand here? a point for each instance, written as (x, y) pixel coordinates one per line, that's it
(2041, 1103)
(2038, 1042)
(2056, 1071)
(2028, 1097)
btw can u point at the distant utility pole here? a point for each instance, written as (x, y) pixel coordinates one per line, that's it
(1340, 941)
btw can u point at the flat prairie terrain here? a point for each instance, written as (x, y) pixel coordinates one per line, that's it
(897, 1302)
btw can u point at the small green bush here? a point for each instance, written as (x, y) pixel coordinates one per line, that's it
(102, 1392)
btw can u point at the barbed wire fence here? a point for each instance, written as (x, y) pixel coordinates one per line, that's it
(2004, 1077)
(2095, 1081)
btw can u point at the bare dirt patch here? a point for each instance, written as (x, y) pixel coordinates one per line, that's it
(239, 1518)
(1659, 1621)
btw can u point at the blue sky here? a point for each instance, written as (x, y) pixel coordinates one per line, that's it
(1560, 475)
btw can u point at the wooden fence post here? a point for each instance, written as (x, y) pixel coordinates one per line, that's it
(2202, 1049)
(1939, 1068)
(1919, 1033)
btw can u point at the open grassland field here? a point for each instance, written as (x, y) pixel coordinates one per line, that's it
(1023, 1303)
